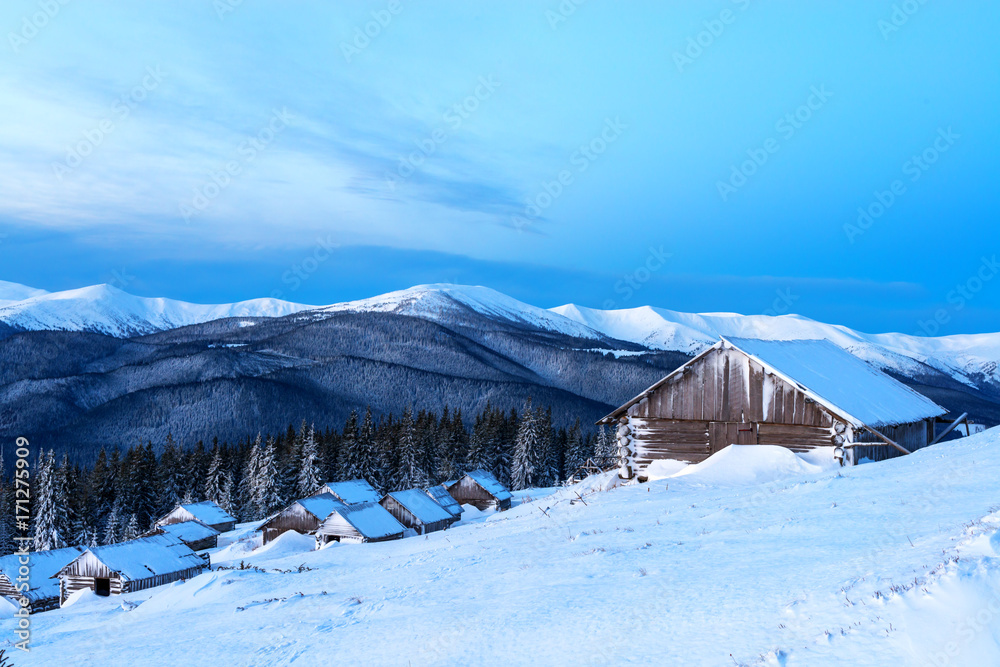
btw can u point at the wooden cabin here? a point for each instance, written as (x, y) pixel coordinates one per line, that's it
(206, 511)
(351, 491)
(196, 535)
(415, 509)
(130, 566)
(303, 516)
(36, 569)
(800, 394)
(365, 522)
(480, 489)
(441, 496)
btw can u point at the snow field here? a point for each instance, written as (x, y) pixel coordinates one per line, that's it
(879, 564)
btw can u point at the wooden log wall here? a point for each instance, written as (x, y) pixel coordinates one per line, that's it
(727, 386)
(295, 518)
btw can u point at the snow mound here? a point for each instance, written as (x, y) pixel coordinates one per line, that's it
(286, 544)
(664, 468)
(747, 464)
(81, 597)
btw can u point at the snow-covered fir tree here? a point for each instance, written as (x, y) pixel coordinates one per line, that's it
(113, 527)
(213, 477)
(411, 473)
(131, 531)
(266, 494)
(310, 466)
(50, 509)
(528, 464)
(576, 451)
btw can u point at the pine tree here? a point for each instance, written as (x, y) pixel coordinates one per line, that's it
(359, 452)
(606, 445)
(7, 527)
(131, 529)
(309, 465)
(266, 498)
(576, 452)
(528, 463)
(49, 516)
(213, 478)
(112, 530)
(248, 509)
(411, 474)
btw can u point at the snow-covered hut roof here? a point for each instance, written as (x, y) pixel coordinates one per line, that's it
(422, 506)
(44, 565)
(321, 506)
(486, 480)
(188, 531)
(208, 512)
(145, 557)
(352, 491)
(843, 383)
(444, 499)
(371, 520)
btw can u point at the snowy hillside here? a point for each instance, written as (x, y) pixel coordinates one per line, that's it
(109, 310)
(754, 557)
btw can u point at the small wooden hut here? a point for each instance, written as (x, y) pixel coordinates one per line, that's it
(206, 511)
(350, 492)
(800, 394)
(415, 509)
(480, 489)
(365, 522)
(130, 566)
(440, 495)
(303, 516)
(196, 535)
(34, 572)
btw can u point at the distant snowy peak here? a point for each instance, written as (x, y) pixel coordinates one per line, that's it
(10, 292)
(108, 310)
(439, 301)
(961, 357)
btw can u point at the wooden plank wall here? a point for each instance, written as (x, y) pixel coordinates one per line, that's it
(294, 518)
(726, 386)
(725, 398)
(336, 526)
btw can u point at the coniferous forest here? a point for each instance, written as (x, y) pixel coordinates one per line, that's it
(121, 494)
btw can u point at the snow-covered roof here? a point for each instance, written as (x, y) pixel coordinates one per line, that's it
(422, 506)
(208, 512)
(353, 491)
(842, 382)
(444, 499)
(371, 520)
(44, 565)
(320, 506)
(486, 480)
(188, 531)
(146, 557)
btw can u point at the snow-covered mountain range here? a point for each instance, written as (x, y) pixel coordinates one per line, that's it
(970, 359)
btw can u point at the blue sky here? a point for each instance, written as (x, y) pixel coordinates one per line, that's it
(181, 149)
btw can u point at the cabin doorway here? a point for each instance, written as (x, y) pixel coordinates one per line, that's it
(102, 587)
